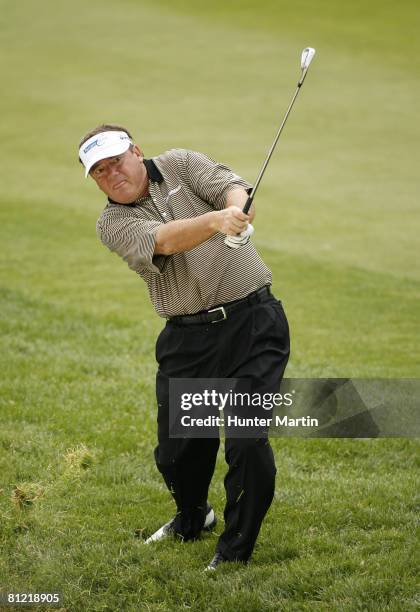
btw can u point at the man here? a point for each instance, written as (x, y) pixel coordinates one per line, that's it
(168, 217)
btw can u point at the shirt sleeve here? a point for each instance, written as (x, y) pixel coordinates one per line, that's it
(210, 180)
(131, 238)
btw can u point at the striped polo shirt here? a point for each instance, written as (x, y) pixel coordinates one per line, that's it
(183, 184)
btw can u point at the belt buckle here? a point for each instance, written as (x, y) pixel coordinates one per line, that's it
(221, 308)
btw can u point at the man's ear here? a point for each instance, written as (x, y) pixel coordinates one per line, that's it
(137, 151)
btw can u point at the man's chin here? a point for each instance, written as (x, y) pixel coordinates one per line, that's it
(123, 196)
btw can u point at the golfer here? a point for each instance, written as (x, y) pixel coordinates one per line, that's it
(168, 217)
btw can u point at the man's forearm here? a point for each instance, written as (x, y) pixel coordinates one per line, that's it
(184, 234)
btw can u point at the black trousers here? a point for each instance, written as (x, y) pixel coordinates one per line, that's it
(252, 343)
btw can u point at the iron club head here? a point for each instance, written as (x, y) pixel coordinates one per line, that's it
(307, 57)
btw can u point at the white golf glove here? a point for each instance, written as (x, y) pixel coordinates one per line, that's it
(234, 242)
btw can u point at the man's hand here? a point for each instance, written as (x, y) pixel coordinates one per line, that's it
(231, 221)
(234, 242)
(238, 196)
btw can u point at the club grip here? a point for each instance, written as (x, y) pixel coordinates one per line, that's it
(247, 205)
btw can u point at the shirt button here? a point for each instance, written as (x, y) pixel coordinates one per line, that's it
(164, 214)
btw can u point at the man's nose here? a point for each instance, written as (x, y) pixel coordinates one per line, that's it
(111, 170)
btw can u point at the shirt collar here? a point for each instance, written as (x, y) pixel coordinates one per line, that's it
(153, 171)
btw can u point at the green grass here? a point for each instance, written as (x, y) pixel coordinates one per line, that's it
(338, 223)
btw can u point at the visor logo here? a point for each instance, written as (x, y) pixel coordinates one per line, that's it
(96, 143)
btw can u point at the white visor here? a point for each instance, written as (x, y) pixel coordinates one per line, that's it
(103, 145)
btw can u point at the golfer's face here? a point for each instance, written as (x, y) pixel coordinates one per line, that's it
(123, 178)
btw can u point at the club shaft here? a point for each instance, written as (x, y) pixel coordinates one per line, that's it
(273, 146)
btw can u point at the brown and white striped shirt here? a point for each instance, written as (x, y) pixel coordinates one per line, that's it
(183, 184)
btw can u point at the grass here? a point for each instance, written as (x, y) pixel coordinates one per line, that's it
(338, 224)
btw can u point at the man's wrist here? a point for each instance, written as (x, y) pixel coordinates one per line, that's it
(213, 218)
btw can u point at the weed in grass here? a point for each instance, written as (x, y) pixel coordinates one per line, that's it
(26, 494)
(78, 459)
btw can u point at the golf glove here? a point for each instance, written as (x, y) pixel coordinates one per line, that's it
(234, 242)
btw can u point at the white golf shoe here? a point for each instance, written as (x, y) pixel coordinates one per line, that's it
(210, 523)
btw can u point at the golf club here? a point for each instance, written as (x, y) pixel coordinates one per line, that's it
(235, 242)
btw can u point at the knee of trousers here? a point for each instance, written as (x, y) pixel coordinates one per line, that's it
(166, 462)
(255, 452)
(179, 452)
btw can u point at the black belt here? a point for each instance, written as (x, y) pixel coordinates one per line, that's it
(220, 313)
